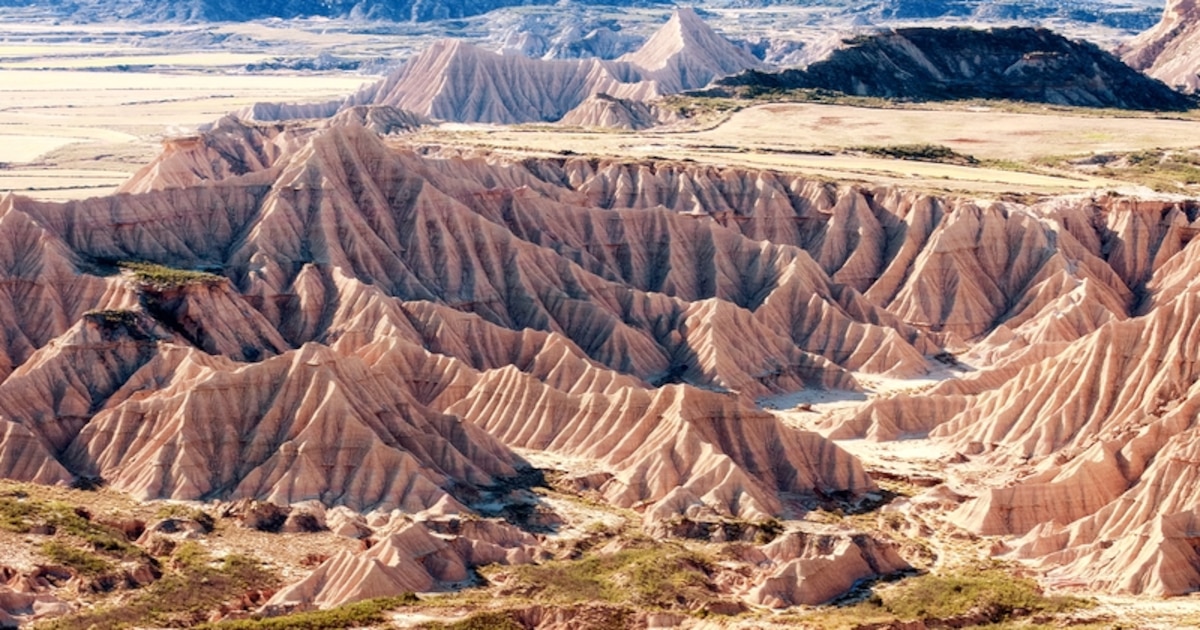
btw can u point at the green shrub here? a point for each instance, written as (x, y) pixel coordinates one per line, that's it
(162, 277)
(84, 562)
(488, 620)
(992, 590)
(22, 515)
(918, 152)
(357, 615)
(182, 598)
(663, 576)
(174, 510)
(18, 515)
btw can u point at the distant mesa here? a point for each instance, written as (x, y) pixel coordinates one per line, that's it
(1170, 51)
(928, 64)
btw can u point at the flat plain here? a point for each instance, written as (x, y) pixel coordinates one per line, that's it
(76, 119)
(828, 140)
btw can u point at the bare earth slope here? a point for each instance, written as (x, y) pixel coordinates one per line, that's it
(935, 64)
(453, 80)
(365, 325)
(352, 266)
(1170, 51)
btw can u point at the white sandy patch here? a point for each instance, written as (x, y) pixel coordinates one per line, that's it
(22, 148)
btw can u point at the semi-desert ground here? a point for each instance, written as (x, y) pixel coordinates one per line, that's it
(796, 360)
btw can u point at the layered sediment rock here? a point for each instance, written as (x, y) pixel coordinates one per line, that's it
(381, 309)
(814, 568)
(454, 80)
(1169, 51)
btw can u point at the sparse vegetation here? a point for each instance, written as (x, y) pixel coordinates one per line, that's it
(755, 95)
(658, 575)
(1164, 170)
(918, 152)
(183, 598)
(980, 596)
(83, 562)
(357, 615)
(991, 590)
(22, 514)
(162, 277)
(174, 510)
(114, 317)
(487, 620)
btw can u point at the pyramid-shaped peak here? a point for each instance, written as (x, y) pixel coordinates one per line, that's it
(686, 19)
(686, 41)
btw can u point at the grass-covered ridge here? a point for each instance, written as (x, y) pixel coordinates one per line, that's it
(990, 590)
(162, 277)
(1163, 170)
(21, 514)
(356, 615)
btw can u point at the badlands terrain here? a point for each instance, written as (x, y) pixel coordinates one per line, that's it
(660, 320)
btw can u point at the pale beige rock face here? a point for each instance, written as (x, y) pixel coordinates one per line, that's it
(1169, 51)
(686, 54)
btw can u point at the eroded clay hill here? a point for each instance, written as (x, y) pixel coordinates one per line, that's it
(368, 295)
(293, 315)
(1169, 51)
(454, 80)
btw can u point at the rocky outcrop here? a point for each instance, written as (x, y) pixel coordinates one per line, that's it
(686, 54)
(18, 608)
(808, 569)
(229, 148)
(929, 64)
(475, 85)
(412, 559)
(383, 120)
(1169, 51)
(725, 460)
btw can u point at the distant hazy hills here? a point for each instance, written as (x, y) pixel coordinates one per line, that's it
(1125, 14)
(236, 11)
